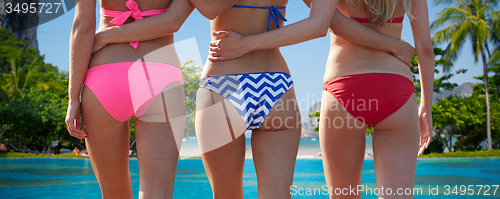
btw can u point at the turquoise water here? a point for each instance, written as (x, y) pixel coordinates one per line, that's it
(73, 178)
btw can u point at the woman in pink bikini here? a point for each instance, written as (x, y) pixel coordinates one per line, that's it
(367, 87)
(128, 80)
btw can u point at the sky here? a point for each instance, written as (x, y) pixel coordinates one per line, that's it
(306, 60)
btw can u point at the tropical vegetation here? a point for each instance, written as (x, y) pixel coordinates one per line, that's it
(464, 154)
(33, 100)
(473, 20)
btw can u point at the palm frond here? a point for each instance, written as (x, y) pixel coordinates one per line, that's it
(491, 3)
(31, 69)
(458, 37)
(450, 15)
(446, 33)
(448, 58)
(493, 20)
(438, 2)
(482, 30)
(466, 6)
(54, 86)
(479, 36)
(494, 58)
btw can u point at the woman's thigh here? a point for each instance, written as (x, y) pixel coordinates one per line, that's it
(220, 133)
(108, 145)
(159, 135)
(395, 148)
(274, 147)
(342, 140)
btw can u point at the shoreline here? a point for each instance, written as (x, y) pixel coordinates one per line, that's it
(459, 154)
(298, 157)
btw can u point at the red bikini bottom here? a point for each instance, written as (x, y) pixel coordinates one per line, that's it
(371, 97)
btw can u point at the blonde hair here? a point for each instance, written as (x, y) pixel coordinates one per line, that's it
(381, 11)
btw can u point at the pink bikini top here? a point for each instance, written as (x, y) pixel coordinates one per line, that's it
(393, 20)
(120, 17)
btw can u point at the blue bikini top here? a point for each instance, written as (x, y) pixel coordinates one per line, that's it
(274, 13)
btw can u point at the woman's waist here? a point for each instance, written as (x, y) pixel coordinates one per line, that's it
(161, 50)
(339, 64)
(256, 61)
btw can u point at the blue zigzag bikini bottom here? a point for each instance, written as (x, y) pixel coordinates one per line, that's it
(253, 94)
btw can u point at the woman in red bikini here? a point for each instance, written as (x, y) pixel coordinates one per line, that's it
(128, 80)
(368, 87)
(375, 89)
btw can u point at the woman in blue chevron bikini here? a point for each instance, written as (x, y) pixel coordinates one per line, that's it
(239, 94)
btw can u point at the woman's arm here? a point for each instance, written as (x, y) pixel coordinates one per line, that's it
(344, 27)
(316, 25)
(425, 55)
(80, 48)
(212, 8)
(163, 24)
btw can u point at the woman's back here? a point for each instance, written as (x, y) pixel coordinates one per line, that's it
(249, 21)
(124, 52)
(361, 59)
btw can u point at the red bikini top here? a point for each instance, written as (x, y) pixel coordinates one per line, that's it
(393, 20)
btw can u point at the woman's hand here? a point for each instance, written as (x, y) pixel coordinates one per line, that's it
(227, 45)
(100, 39)
(404, 52)
(425, 119)
(73, 120)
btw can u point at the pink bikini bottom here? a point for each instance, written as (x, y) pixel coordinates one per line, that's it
(127, 89)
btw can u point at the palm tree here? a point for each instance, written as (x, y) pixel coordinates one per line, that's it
(22, 78)
(469, 19)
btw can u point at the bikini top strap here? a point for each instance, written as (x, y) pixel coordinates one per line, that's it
(121, 16)
(274, 13)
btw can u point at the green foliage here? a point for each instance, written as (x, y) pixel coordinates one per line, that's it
(465, 118)
(494, 81)
(36, 75)
(315, 114)
(33, 120)
(475, 20)
(9, 45)
(440, 83)
(32, 97)
(436, 146)
(191, 75)
(464, 154)
(32, 155)
(22, 68)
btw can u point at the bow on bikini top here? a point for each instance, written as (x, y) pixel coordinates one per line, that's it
(121, 16)
(393, 20)
(274, 13)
